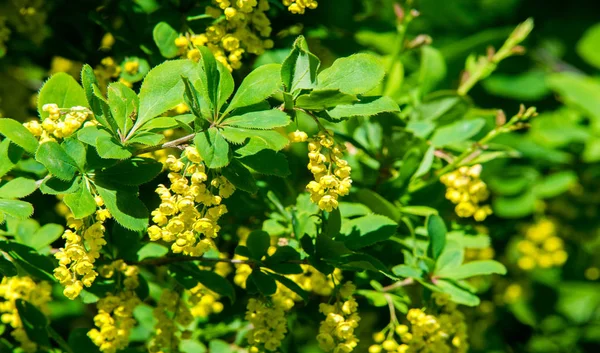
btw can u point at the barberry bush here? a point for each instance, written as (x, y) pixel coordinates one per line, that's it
(297, 176)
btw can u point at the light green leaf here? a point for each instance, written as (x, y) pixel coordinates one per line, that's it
(259, 140)
(378, 204)
(472, 269)
(16, 208)
(110, 148)
(299, 69)
(213, 148)
(90, 134)
(259, 85)
(10, 155)
(366, 230)
(62, 90)
(81, 203)
(56, 160)
(436, 229)
(226, 85)
(124, 205)
(578, 91)
(432, 70)
(146, 138)
(588, 45)
(366, 107)
(321, 99)
(356, 74)
(137, 76)
(44, 236)
(98, 104)
(555, 184)
(164, 36)
(150, 250)
(457, 132)
(18, 134)
(210, 77)
(240, 176)
(17, 188)
(76, 150)
(264, 120)
(163, 88)
(124, 105)
(457, 294)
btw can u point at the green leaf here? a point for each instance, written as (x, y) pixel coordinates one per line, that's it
(226, 85)
(56, 160)
(368, 106)
(124, 105)
(17, 188)
(146, 138)
(193, 101)
(263, 282)
(378, 204)
(16, 208)
(588, 45)
(279, 261)
(263, 120)
(163, 88)
(10, 155)
(555, 184)
(30, 260)
(356, 74)
(299, 69)
(7, 269)
(259, 85)
(240, 176)
(44, 236)
(268, 162)
(164, 36)
(258, 140)
(18, 134)
(579, 91)
(457, 132)
(210, 76)
(367, 230)
(81, 203)
(472, 269)
(457, 294)
(80, 342)
(124, 206)
(98, 104)
(213, 148)
(62, 90)
(134, 171)
(432, 70)
(34, 322)
(407, 271)
(55, 186)
(90, 134)
(215, 283)
(291, 285)
(76, 150)
(436, 229)
(109, 147)
(137, 76)
(321, 99)
(152, 250)
(258, 243)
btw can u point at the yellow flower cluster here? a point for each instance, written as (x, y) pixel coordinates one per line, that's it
(107, 71)
(427, 333)
(170, 312)
(330, 170)
(114, 320)
(132, 67)
(297, 136)
(336, 333)
(83, 243)
(178, 220)
(541, 247)
(37, 294)
(245, 29)
(466, 190)
(54, 127)
(203, 301)
(269, 324)
(300, 6)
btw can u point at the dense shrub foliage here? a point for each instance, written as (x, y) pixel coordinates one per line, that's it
(298, 176)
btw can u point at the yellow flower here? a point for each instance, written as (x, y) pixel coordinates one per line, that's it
(336, 332)
(465, 189)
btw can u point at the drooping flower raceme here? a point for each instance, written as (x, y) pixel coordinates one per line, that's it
(466, 190)
(191, 207)
(336, 333)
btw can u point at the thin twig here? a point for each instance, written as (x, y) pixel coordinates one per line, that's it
(169, 260)
(405, 282)
(170, 144)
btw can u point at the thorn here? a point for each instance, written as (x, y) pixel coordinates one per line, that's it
(500, 118)
(399, 11)
(518, 50)
(490, 53)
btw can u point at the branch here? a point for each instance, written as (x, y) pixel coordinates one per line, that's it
(405, 282)
(170, 260)
(170, 144)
